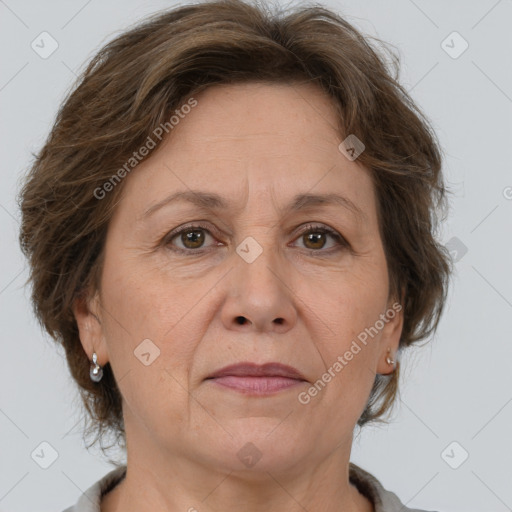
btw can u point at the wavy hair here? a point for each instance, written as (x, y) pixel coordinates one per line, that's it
(132, 86)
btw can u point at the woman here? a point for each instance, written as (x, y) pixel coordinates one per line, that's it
(231, 232)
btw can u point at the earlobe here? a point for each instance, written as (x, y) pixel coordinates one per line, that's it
(389, 359)
(390, 339)
(88, 320)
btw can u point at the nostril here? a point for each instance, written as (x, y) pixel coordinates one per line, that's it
(240, 320)
(279, 321)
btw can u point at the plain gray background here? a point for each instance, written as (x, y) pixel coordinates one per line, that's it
(458, 388)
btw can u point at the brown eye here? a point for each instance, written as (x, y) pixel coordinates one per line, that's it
(192, 239)
(189, 239)
(315, 239)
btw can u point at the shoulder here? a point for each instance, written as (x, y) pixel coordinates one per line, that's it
(369, 486)
(90, 500)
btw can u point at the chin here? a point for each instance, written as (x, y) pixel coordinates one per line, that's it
(257, 445)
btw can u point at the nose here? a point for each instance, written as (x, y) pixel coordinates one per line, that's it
(259, 296)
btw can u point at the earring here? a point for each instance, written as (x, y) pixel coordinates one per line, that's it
(96, 372)
(388, 359)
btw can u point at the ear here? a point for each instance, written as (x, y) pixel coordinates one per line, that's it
(87, 314)
(390, 338)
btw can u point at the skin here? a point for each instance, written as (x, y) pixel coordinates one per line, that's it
(304, 302)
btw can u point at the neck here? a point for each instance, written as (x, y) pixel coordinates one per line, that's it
(192, 488)
(169, 478)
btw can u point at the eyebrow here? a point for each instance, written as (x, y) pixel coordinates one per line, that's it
(211, 201)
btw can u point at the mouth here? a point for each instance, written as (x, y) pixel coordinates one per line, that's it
(251, 378)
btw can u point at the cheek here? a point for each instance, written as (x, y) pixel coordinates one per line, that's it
(348, 357)
(351, 302)
(137, 313)
(154, 326)
(350, 307)
(143, 304)
(150, 346)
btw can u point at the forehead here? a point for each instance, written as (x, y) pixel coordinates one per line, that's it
(247, 114)
(274, 140)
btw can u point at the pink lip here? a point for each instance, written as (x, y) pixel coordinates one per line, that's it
(256, 385)
(250, 378)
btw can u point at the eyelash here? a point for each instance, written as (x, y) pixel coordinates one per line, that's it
(341, 242)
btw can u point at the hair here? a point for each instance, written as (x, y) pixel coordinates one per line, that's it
(137, 81)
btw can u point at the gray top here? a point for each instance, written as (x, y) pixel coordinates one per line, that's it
(367, 484)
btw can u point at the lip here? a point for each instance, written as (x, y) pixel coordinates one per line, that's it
(251, 378)
(248, 369)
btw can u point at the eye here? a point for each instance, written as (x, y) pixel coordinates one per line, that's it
(192, 238)
(314, 238)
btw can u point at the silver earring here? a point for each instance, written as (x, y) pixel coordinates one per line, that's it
(388, 359)
(96, 372)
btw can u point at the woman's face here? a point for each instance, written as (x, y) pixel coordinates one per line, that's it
(258, 280)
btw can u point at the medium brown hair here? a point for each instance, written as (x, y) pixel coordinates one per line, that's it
(136, 82)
